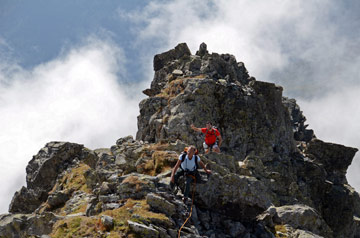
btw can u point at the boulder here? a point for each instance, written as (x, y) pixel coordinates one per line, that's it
(177, 72)
(303, 217)
(77, 203)
(27, 200)
(58, 199)
(235, 229)
(51, 160)
(202, 50)
(305, 234)
(334, 158)
(42, 172)
(136, 186)
(142, 230)
(89, 157)
(298, 121)
(26, 225)
(107, 222)
(160, 60)
(160, 204)
(240, 197)
(125, 153)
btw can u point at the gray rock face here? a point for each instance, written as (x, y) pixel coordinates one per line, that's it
(303, 217)
(57, 199)
(143, 230)
(160, 204)
(235, 228)
(202, 50)
(126, 152)
(21, 225)
(260, 131)
(77, 200)
(305, 234)
(239, 196)
(334, 158)
(26, 200)
(49, 162)
(298, 121)
(42, 172)
(136, 186)
(250, 117)
(160, 60)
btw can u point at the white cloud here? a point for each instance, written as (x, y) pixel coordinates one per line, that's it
(76, 97)
(312, 49)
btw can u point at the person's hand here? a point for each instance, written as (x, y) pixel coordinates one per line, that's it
(208, 171)
(172, 179)
(192, 126)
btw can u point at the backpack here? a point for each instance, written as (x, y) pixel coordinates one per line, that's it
(214, 128)
(183, 155)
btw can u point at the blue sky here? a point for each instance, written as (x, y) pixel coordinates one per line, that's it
(74, 70)
(38, 31)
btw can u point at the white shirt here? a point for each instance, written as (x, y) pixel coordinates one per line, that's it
(189, 164)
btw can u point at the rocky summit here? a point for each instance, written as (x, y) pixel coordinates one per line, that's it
(273, 177)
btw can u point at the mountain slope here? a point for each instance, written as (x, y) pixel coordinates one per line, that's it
(274, 178)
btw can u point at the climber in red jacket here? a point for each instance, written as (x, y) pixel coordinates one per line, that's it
(211, 134)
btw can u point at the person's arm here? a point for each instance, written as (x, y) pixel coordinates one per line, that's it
(204, 167)
(220, 140)
(195, 128)
(175, 169)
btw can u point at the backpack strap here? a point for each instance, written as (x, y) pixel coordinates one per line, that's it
(214, 132)
(196, 162)
(183, 155)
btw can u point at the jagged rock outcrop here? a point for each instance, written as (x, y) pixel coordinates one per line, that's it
(42, 172)
(334, 158)
(26, 225)
(274, 178)
(298, 121)
(250, 114)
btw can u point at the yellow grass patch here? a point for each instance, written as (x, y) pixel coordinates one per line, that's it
(280, 231)
(75, 180)
(160, 162)
(83, 226)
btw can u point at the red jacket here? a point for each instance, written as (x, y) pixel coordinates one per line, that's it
(210, 135)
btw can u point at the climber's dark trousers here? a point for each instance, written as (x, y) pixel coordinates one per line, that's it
(188, 180)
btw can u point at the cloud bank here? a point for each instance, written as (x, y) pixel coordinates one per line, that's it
(77, 97)
(311, 49)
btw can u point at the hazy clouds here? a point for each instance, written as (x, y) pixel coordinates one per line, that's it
(76, 97)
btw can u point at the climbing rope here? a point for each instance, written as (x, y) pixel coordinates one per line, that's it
(192, 203)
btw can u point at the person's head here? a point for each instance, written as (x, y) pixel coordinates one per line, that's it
(208, 125)
(191, 151)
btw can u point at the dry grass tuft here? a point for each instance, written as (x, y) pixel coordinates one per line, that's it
(75, 180)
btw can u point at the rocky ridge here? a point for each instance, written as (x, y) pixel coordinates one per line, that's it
(274, 178)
